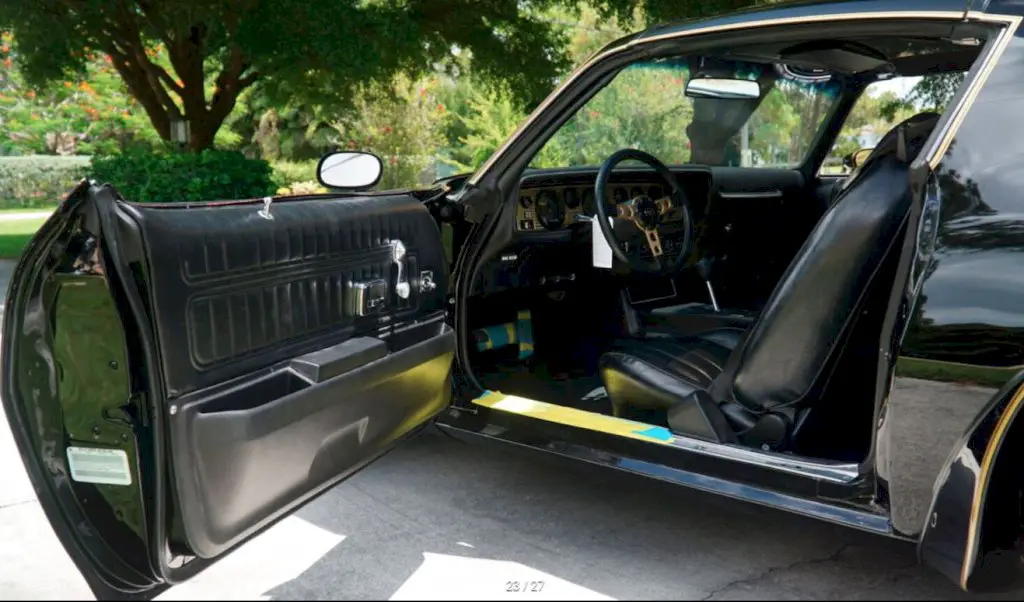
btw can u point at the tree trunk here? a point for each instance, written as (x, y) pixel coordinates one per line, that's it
(153, 87)
(202, 134)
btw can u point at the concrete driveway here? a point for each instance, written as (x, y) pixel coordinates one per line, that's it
(442, 519)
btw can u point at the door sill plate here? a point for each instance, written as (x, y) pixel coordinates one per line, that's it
(574, 417)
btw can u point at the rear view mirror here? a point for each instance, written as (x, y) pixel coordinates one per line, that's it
(351, 170)
(720, 87)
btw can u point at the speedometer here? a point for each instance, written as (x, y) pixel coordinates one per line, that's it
(550, 211)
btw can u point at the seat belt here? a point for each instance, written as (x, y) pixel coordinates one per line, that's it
(901, 143)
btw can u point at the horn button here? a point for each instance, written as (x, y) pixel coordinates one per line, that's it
(646, 211)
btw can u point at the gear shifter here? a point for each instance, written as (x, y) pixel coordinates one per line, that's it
(704, 269)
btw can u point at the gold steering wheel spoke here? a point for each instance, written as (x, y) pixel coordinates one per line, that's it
(653, 240)
(626, 210)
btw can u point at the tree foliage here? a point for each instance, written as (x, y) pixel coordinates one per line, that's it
(932, 93)
(190, 59)
(84, 115)
(400, 121)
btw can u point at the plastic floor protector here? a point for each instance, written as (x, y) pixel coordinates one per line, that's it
(550, 412)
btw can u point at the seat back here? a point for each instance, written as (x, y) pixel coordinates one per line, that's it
(789, 353)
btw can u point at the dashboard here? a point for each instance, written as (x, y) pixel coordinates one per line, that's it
(551, 201)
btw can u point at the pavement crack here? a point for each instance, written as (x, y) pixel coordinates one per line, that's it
(18, 503)
(777, 569)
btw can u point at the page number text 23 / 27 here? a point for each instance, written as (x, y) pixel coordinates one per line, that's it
(525, 587)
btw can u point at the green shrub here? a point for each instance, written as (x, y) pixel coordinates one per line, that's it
(164, 176)
(286, 173)
(39, 181)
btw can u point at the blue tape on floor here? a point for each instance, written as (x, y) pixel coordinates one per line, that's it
(656, 432)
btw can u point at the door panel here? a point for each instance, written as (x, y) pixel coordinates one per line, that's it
(257, 372)
(231, 291)
(245, 453)
(248, 311)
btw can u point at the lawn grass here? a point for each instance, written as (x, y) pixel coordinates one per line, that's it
(15, 233)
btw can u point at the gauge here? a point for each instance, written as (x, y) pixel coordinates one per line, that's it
(588, 201)
(654, 192)
(526, 202)
(550, 212)
(571, 198)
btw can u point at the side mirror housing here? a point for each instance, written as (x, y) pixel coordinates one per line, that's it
(350, 170)
(857, 158)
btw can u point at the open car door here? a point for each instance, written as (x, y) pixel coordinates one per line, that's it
(180, 377)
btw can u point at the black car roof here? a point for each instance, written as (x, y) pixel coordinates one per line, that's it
(802, 8)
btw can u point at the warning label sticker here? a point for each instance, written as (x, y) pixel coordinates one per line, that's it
(102, 466)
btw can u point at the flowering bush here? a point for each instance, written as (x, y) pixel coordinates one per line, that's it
(90, 114)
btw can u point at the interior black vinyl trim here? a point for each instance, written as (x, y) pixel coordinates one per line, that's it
(247, 455)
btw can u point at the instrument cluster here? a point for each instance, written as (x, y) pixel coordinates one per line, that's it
(555, 207)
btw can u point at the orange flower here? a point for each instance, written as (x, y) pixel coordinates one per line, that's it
(31, 93)
(7, 62)
(67, 84)
(5, 48)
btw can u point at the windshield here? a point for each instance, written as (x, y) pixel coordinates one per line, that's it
(644, 107)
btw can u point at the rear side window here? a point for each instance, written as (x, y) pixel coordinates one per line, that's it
(884, 104)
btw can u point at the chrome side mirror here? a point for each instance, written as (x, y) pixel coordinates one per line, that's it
(349, 170)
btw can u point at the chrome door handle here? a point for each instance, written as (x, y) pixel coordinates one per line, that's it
(398, 256)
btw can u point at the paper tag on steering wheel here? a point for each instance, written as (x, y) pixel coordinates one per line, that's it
(600, 248)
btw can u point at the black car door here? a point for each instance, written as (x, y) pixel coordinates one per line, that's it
(180, 377)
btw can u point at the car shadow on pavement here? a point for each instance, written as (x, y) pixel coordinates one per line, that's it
(436, 500)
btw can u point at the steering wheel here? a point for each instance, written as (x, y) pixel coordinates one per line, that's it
(643, 212)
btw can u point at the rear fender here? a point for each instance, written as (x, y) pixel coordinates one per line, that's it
(973, 527)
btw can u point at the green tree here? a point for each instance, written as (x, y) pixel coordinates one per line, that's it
(400, 121)
(932, 93)
(190, 60)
